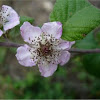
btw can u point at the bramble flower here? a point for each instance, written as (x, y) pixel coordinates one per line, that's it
(45, 47)
(1, 33)
(8, 18)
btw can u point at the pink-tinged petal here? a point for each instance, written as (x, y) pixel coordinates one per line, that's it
(24, 56)
(47, 69)
(64, 58)
(11, 17)
(71, 43)
(65, 45)
(54, 28)
(1, 32)
(29, 32)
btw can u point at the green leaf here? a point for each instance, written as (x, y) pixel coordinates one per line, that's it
(16, 30)
(88, 42)
(91, 62)
(65, 9)
(79, 18)
(24, 19)
(81, 23)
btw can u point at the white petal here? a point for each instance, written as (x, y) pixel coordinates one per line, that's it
(54, 28)
(10, 17)
(47, 69)
(29, 32)
(64, 58)
(1, 32)
(64, 45)
(24, 57)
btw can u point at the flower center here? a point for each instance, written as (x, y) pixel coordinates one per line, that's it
(45, 50)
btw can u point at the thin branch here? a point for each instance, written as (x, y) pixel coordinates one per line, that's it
(84, 50)
(15, 45)
(9, 44)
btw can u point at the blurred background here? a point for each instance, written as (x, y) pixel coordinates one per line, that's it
(79, 78)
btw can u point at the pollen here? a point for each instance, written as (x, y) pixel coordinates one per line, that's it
(45, 48)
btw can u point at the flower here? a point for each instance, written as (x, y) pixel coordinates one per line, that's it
(8, 18)
(45, 49)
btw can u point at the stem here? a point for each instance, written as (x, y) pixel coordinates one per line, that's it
(84, 50)
(9, 44)
(15, 45)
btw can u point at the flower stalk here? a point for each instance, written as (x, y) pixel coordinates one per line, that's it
(89, 51)
(10, 44)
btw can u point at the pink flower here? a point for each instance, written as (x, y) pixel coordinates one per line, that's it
(8, 18)
(45, 49)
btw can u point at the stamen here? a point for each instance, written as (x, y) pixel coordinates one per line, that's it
(46, 49)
